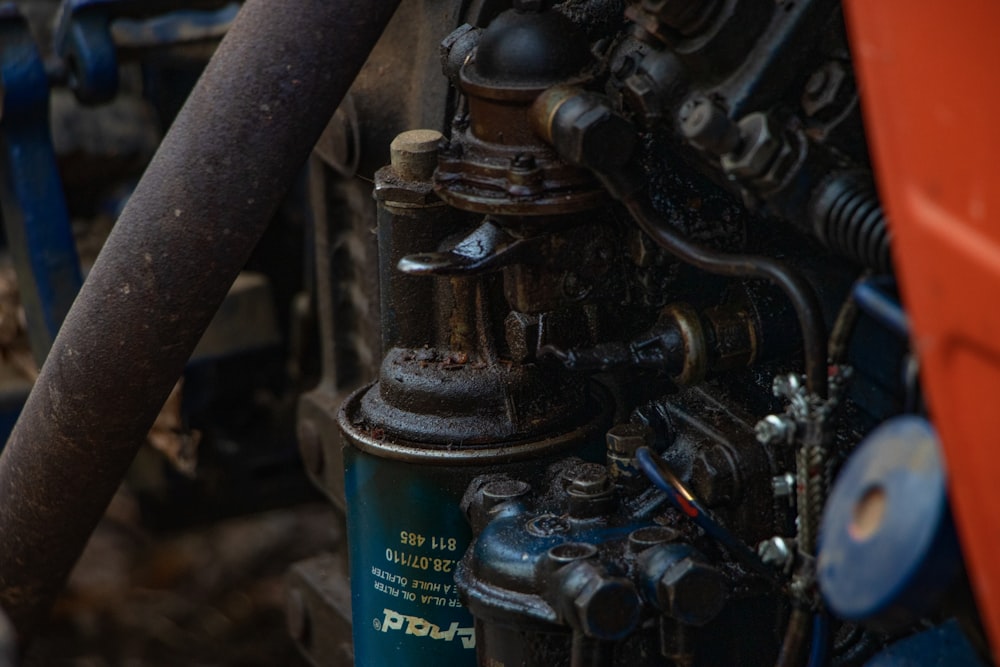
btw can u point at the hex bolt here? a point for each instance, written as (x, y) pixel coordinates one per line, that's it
(783, 486)
(682, 584)
(777, 552)
(823, 88)
(310, 447)
(413, 154)
(625, 439)
(775, 429)
(707, 126)
(762, 149)
(596, 604)
(590, 481)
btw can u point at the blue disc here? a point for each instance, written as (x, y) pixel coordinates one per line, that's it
(887, 543)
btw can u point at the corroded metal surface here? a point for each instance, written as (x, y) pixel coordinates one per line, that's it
(203, 203)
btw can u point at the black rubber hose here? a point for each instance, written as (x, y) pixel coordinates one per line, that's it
(849, 219)
(798, 291)
(202, 205)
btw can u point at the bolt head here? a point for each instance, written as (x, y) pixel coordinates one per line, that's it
(776, 552)
(761, 144)
(600, 136)
(775, 429)
(692, 592)
(823, 87)
(608, 608)
(783, 486)
(625, 439)
(590, 480)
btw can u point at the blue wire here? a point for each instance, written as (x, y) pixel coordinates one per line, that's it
(660, 474)
(819, 652)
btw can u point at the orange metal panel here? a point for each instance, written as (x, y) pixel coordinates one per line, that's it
(929, 74)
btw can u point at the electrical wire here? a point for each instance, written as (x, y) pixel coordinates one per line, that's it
(660, 474)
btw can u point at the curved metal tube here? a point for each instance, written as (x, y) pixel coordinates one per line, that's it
(201, 207)
(799, 292)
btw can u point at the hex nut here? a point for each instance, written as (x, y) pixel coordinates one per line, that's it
(761, 144)
(823, 87)
(590, 481)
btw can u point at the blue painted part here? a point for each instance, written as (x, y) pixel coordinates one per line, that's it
(83, 38)
(873, 298)
(888, 548)
(943, 646)
(406, 535)
(35, 216)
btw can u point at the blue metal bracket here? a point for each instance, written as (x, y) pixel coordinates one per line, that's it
(35, 216)
(84, 39)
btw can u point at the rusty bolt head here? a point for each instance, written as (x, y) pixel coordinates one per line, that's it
(692, 592)
(625, 439)
(761, 144)
(589, 481)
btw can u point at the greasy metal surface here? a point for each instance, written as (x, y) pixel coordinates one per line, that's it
(194, 218)
(495, 163)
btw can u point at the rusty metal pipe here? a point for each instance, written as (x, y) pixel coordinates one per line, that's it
(200, 208)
